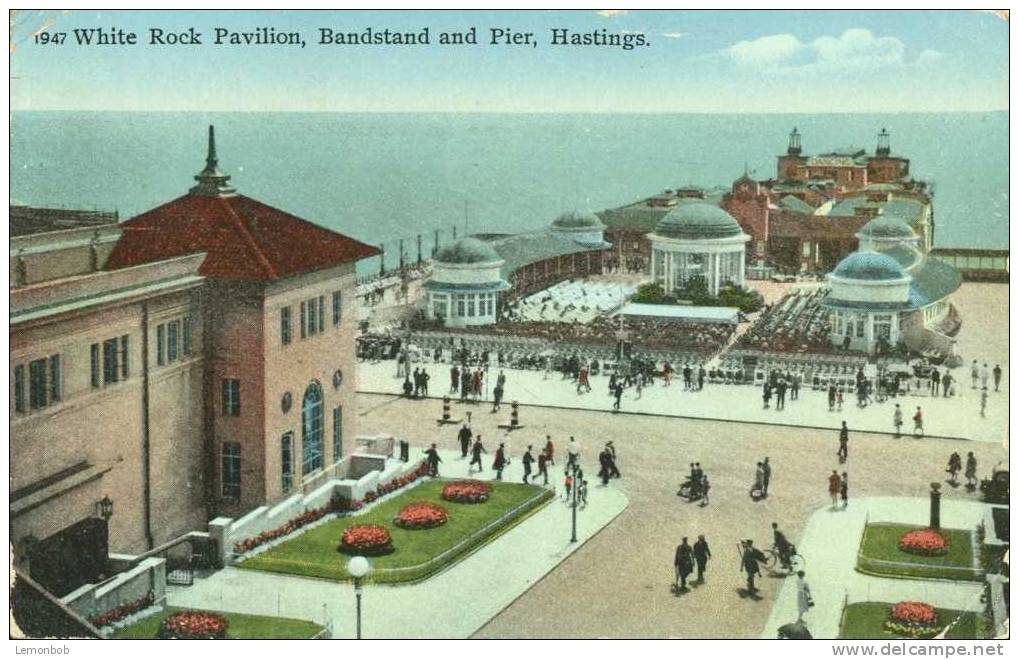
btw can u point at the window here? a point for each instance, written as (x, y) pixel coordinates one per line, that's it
(337, 307)
(303, 319)
(19, 388)
(311, 429)
(470, 305)
(806, 248)
(111, 372)
(95, 366)
(285, 325)
(321, 313)
(459, 305)
(161, 344)
(287, 461)
(37, 384)
(124, 352)
(337, 434)
(860, 327)
(312, 317)
(54, 378)
(186, 324)
(231, 397)
(172, 346)
(231, 470)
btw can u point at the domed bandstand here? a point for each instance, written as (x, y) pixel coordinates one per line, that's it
(465, 284)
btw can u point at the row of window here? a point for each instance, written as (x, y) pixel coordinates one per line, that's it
(312, 458)
(173, 339)
(313, 317)
(109, 363)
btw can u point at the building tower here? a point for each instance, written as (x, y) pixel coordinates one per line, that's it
(884, 143)
(794, 143)
(211, 181)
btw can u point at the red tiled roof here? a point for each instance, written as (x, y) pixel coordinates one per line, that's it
(244, 239)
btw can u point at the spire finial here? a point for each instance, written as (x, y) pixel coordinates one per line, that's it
(211, 181)
(211, 160)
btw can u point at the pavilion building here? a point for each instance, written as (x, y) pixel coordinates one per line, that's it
(698, 239)
(465, 284)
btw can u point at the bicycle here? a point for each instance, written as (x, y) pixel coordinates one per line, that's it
(774, 560)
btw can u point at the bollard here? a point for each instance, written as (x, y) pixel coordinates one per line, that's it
(446, 416)
(514, 415)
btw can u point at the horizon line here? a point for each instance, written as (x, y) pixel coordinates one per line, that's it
(521, 112)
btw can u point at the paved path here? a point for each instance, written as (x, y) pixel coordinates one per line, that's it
(452, 604)
(830, 566)
(957, 417)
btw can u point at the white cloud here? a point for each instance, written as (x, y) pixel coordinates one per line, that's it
(854, 49)
(612, 13)
(766, 51)
(673, 35)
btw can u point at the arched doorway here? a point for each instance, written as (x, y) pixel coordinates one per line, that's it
(311, 429)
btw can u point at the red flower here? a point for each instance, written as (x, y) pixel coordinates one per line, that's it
(193, 625)
(367, 539)
(925, 542)
(421, 515)
(917, 613)
(467, 491)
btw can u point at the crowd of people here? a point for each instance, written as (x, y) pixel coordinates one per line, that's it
(797, 323)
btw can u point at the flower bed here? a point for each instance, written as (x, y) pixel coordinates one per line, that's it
(915, 619)
(122, 611)
(366, 540)
(924, 542)
(193, 625)
(467, 492)
(338, 505)
(421, 515)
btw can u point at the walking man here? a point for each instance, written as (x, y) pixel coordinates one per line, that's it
(834, 487)
(433, 461)
(984, 376)
(831, 397)
(765, 476)
(997, 376)
(465, 440)
(499, 463)
(794, 391)
(496, 398)
(454, 379)
(803, 598)
(750, 565)
(897, 420)
(549, 449)
(543, 467)
(705, 486)
(971, 471)
(844, 489)
(572, 453)
(843, 452)
(527, 460)
(974, 373)
(918, 422)
(701, 554)
(612, 461)
(476, 452)
(683, 564)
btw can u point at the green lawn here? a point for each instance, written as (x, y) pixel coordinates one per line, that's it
(881, 543)
(241, 627)
(865, 620)
(314, 552)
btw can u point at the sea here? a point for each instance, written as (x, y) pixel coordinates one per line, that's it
(385, 177)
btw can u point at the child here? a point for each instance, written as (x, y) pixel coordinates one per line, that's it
(569, 486)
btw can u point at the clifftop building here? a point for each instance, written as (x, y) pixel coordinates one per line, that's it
(194, 361)
(806, 219)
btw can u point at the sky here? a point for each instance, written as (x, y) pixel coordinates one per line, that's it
(696, 61)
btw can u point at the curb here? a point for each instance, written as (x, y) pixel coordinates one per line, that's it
(693, 418)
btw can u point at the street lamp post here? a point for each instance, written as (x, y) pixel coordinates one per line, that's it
(358, 567)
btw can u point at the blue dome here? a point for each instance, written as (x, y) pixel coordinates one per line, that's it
(467, 250)
(698, 221)
(887, 226)
(869, 266)
(578, 220)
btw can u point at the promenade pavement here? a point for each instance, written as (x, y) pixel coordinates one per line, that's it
(452, 604)
(830, 543)
(955, 417)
